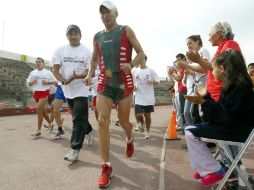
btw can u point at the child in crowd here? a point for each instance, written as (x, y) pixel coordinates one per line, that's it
(231, 118)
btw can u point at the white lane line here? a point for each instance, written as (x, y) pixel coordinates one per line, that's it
(162, 163)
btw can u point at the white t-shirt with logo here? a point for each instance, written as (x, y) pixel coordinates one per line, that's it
(40, 75)
(144, 95)
(73, 60)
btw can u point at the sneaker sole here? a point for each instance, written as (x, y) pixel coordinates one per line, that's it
(106, 186)
(65, 158)
(129, 156)
(55, 138)
(216, 183)
(35, 136)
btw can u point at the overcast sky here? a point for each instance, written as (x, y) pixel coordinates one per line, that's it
(37, 27)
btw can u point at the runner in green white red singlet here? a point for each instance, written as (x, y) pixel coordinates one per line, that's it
(114, 49)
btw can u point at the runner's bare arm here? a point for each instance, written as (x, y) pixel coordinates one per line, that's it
(136, 45)
(56, 72)
(94, 61)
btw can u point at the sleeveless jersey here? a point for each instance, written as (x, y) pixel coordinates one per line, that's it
(114, 49)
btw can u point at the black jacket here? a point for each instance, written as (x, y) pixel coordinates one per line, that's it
(235, 108)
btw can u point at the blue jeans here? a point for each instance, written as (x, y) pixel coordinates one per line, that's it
(181, 110)
(187, 113)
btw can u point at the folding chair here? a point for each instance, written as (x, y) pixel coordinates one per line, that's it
(223, 148)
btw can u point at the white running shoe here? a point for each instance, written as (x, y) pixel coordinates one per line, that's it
(50, 128)
(142, 127)
(58, 135)
(90, 138)
(72, 155)
(137, 128)
(117, 123)
(36, 133)
(147, 135)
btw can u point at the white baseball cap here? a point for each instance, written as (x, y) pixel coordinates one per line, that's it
(109, 5)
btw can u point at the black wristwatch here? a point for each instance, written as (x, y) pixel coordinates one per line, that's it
(63, 82)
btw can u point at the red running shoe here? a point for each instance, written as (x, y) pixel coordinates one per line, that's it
(211, 179)
(197, 176)
(129, 148)
(104, 179)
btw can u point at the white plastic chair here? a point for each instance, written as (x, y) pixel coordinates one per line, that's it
(223, 148)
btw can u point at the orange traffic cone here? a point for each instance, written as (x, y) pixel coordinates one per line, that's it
(171, 133)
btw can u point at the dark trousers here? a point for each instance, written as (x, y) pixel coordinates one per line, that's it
(195, 114)
(81, 125)
(182, 121)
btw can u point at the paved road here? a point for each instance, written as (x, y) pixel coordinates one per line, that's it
(28, 164)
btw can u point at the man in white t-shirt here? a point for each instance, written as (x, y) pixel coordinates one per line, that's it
(71, 63)
(40, 80)
(145, 79)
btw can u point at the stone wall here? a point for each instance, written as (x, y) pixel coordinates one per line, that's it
(162, 94)
(13, 75)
